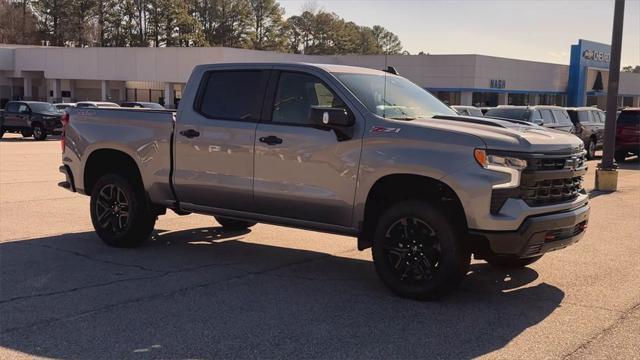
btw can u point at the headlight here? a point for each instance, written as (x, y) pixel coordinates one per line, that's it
(504, 164)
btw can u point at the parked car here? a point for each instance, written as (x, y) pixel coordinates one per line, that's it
(484, 109)
(553, 117)
(96, 104)
(142, 105)
(628, 134)
(64, 106)
(339, 149)
(31, 118)
(467, 110)
(589, 126)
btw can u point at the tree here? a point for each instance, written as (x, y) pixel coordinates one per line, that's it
(81, 21)
(52, 15)
(18, 24)
(267, 25)
(387, 41)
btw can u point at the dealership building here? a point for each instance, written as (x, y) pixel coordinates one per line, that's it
(59, 74)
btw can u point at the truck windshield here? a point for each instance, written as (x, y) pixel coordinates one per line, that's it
(393, 97)
(42, 107)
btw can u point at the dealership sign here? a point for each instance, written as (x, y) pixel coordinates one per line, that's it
(595, 55)
(498, 84)
(588, 59)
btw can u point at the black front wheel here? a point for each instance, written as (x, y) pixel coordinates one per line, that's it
(591, 149)
(620, 156)
(418, 252)
(120, 212)
(39, 133)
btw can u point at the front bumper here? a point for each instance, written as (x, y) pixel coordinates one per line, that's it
(537, 234)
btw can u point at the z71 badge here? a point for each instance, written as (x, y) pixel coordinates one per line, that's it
(382, 129)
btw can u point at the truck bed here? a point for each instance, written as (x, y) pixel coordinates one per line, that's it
(144, 135)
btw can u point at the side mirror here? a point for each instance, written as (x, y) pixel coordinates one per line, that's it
(331, 117)
(539, 122)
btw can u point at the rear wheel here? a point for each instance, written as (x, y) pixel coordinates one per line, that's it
(512, 262)
(120, 212)
(39, 133)
(417, 251)
(620, 156)
(233, 224)
(591, 149)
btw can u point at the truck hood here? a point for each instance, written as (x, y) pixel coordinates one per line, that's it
(506, 135)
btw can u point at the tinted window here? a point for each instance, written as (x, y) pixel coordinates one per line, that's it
(573, 114)
(602, 117)
(232, 95)
(629, 117)
(547, 117)
(23, 109)
(562, 117)
(13, 107)
(475, 112)
(297, 93)
(43, 107)
(85, 105)
(516, 114)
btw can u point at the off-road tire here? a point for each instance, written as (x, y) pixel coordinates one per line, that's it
(620, 156)
(233, 224)
(39, 132)
(140, 219)
(591, 149)
(430, 226)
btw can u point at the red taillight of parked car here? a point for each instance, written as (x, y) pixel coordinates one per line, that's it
(65, 121)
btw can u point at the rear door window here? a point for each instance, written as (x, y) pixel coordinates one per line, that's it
(629, 117)
(13, 107)
(547, 117)
(232, 95)
(562, 118)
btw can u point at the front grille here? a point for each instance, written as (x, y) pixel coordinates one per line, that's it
(552, 191)
(547, 180)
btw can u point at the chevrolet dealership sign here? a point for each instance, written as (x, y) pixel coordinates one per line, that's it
(595, 55)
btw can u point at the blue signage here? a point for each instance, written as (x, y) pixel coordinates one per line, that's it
(497, 84)
(585, 54)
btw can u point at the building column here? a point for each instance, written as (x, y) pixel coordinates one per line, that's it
(104, 90)
(169, 98)
(56, 87)
(28, 88)
(636, 101)
(503, 98)
(72, 90)
(466, 98)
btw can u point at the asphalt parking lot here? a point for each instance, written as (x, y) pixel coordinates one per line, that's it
(197, 292)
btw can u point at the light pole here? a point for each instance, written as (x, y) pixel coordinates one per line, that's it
(607, 173)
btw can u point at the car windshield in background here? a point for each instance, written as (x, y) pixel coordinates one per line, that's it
(393, 97)
(42, 108)
(516, 114)
(629, 117)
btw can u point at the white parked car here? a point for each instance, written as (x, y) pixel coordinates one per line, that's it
(96, 104)
(467, 110)
(63, 106)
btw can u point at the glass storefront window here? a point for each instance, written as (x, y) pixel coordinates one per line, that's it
(485, 99)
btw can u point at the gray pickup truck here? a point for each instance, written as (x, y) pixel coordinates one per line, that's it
(338, 149)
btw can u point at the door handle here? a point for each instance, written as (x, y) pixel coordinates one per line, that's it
(191, 133)
(271, 140)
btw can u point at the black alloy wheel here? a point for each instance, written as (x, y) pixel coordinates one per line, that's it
(112, 209)
(412, 250)
(419, 250)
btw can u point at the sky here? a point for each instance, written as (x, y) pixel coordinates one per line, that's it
(538, 30)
